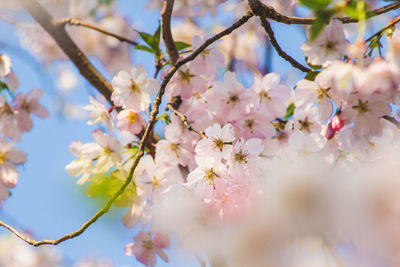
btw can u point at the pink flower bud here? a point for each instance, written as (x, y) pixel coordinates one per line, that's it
(337, 123)
(330, 132)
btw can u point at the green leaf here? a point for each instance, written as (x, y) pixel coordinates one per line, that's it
(3, 85)
(149, 39)
(323, 18)
(165, 117)
(314, 67)
(105, 187)
(144, 48)
(157, 36)
(181, 45)
(289, 111)
(311, 75)
(316, 4)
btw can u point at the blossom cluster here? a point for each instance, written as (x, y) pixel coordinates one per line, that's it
(264, 161)
(261, 173)
(15, 119)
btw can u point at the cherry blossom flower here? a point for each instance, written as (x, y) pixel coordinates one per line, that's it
(244, 152)
(132, 91)
(130, 121)
(106, 152)
(185, 83)
(207, 173)
(29, 104)
(99, 113)
(271, 95)
(146, 247)
(309, 93)
(329, 46)
(9, 158)
(208, 61)
(218, 143)
(8, 121)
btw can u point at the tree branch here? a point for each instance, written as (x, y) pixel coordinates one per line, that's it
(58, 33)
(166, 31)
(185, 121)
(380, 32)
(75, 22)
(271, 36)
(269, 12)
(140, 153)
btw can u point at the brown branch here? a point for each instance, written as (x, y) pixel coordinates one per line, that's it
(392, 120)
(166, 31)
(75, 22)
(185, 120)
(281, 53)
(140, 153)
(58, 33)
(381, 31)
(269, 12)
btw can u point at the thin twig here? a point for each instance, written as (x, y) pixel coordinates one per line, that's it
(185, 120)
(381, 31)
(281, 53)
(140, 153)
(166, 14)
(75, 22)
(392, 120)
(58, 33)
(270, 13)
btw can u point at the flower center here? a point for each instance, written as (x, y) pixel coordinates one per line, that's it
(132, 117)
(3, 157)
(330, 45)
(232, 99)
(249, 123)
(186, 75)
(210, 175)
(241, 156)
(263, 95)
(305, 125)
(219, 144)
(362, 107)
(148, 246)
(134, 86)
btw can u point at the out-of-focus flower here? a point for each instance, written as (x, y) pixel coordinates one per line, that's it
(329, 46)
(146, 247)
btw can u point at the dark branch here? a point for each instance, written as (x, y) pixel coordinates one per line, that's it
(166, 14)
(58, 33)
(269, 12)
(271, 36)
(75, 22)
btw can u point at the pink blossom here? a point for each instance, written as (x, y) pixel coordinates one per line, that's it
(130, 121)
(146, 248)
(29, 104)
(9, 158)
(186, 83)
(271, 95)
(132, 90)
(99, 113)
(208, 61)
(8, 121)
(329, 46)
(219, 142)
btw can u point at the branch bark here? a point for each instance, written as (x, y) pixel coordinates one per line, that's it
(271, 36)
(58, 33)
(269, 12)
(166, 14)
(75, 22)
(144, 139)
